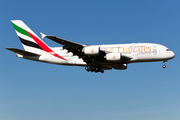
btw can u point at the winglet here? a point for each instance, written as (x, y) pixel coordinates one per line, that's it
(42, 35)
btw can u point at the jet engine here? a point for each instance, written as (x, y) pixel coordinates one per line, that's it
(113, 56)
(91, 50)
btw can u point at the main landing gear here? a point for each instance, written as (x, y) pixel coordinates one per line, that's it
(164, 66)
(94, 69)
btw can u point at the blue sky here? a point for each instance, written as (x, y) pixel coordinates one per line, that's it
(39, 91)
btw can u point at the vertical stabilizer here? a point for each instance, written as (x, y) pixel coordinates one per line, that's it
(30, 41)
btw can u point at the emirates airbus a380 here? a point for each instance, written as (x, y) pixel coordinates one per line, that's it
(95, 58)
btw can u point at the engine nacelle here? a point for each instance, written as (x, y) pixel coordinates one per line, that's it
(120, 67)
(91, 50)
(113, 56)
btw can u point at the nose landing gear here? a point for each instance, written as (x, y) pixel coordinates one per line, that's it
(164, 66)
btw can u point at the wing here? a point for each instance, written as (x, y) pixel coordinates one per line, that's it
(77, 49)
(62, 41)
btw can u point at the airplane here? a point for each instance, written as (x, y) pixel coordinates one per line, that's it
(95, 58)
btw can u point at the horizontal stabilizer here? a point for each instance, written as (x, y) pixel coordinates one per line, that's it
(22, 52)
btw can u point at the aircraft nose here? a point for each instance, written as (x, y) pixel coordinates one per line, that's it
(173, 54)
(170, 54)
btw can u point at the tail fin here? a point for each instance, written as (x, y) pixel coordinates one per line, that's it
(30, 41)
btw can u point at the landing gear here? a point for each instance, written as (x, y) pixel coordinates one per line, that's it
(87, 68)
(164, 66)
(102, 71)
(94, 69)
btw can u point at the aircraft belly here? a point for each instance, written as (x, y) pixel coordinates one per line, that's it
(145, 57)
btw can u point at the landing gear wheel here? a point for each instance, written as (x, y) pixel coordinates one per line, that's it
(87, 68)
(164, 66)
(102, 71)
(94, 69)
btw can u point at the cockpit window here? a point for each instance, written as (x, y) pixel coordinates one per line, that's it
(167, 50)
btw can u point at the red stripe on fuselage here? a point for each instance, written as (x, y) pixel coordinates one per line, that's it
(44, 46)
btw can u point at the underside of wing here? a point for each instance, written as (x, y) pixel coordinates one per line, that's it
(126, 58)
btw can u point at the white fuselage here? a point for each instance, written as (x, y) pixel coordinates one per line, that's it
(139, 52)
